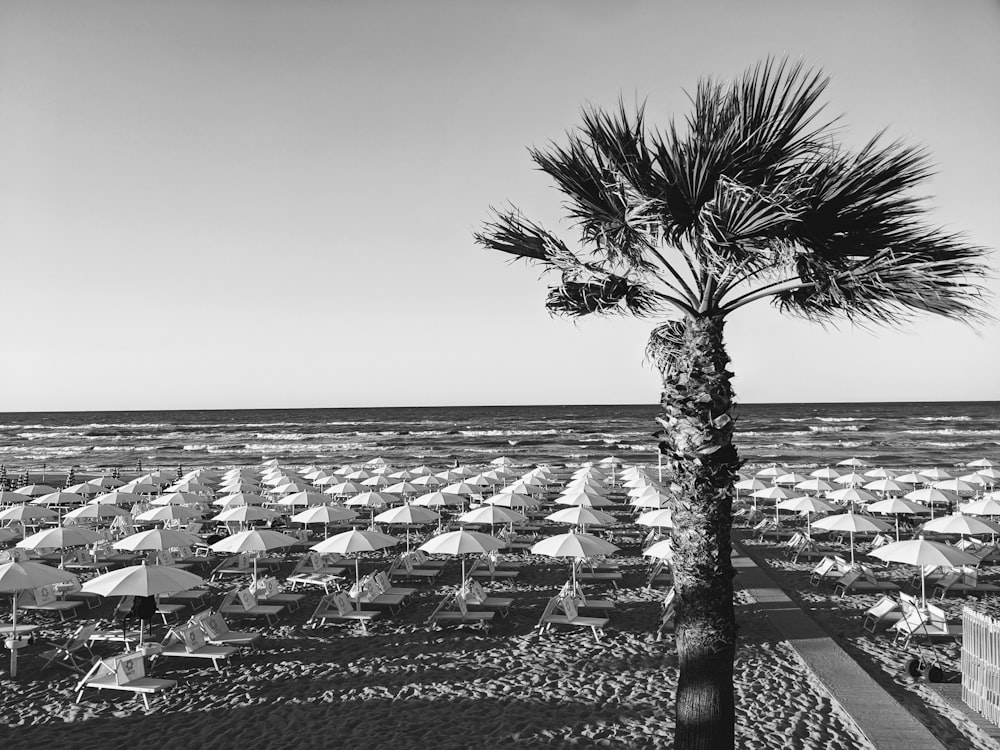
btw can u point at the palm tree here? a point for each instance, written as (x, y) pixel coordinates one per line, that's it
(752, 199)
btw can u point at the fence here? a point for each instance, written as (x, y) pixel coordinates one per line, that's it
(981, 663)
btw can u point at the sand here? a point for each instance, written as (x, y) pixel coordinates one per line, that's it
(406, 687)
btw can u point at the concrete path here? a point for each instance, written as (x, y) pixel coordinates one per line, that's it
(879, 716)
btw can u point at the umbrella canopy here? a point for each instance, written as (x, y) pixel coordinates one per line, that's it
(935, 474)
(408, 514)
(959, 523)
(661, 550)
(826, 473)
(575, 546)
(853, 523)
(254, 540)
(60, 537)
(492, 514)
(807, 504)
(116, 498)
(304, 499)
(854, 463)
(439, 499)
(143, 580)
(155, 539)
(912, 478)
(988, 506)
(26, 512)
(851, 479)
(85, 488)
(923, 553)
(814, 485)
(931, 496)
(372, 500)
(852, 495)
(165, 513)
(461, 543)
(60, 498)
(96, 513)
(885, 486)
(344, 488)
(324, 514)
(178, 498)
(355, 541)
(20, 576)
(957, 486)
(771, 472)
(513, 500)
(662, 519)
(35, 490)
(980, 463)
(581, 515)
(586, 499)
(790, 479)
(245, 514)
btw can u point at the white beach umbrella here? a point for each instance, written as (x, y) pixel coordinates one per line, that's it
(492, 514)
(582, 516)
(27, 513)
(885, 486)
(439, 499)
(855, 495)
(790, 479)
(166, 513)
(988, 506)
(461, 543)
(911, 478)
(107, 482)
(897, 506)
(661, 550)
(190, 486)
(35, 490)
(814, 485)
(513, 500)
(354, 543)
(116, 498)
(427, 480)
(60, 537)
(407, 515)
(880, 473)
(851, 479)
(932, 496)
(854, 463)
(935, 474)
(140, 488)
(808, 505)
(178, 498)
(344, 488)
(575, 546)
(156, 539)
(59, 498)
(853, 523)
(244, 514)
(253, 540)
(827, 473)
(95, 513)
(922, 553)
(980, 462)
(16, 577)
(662, 519)
(303, 499)
(585, 499)
(143, 580)
(85, 488)
(770, 472)
(956, 486)
(959, 523)
(238, 498)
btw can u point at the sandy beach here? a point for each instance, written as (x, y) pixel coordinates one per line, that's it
(407, 685)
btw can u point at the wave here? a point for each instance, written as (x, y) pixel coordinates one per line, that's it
(846, 419)
(962, 418)
(951, 431)
(841, 428)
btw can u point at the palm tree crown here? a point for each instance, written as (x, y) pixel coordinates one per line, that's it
(752, 199)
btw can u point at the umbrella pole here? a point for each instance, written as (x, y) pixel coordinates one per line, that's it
(357, 582)
(923, 591)
(13, 650)
(897, 527)
(852, 547)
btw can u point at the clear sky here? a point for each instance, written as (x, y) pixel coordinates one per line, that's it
(271, 204)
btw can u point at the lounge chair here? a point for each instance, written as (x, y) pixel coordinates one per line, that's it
(569, 616)
(312, 570)
(125, 672)
(488, 566)
(660, 575)
(190, 641)
(964, 580)
(829, 567)
(404, 566)
(338, 607)
(861, 578)
(217, 630)
(476, 598)
(369, 593)
(882, 614)
(605, 573)
(234, 565)
(268, 591)
(454, 609)
(43, 599)
(65, 654)
(588, 602)
(242, 603)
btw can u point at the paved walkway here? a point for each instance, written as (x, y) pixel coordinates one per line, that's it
(879, 716)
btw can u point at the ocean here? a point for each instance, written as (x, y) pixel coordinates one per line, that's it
(905, 435)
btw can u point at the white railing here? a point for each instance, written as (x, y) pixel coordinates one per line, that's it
(981, 663)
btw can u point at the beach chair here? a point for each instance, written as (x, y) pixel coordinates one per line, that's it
(476, 598)
(569, 616)
(454, 609)
(65, 654)
(241, 602)
(605, 573)
(218, 633)
(190, 641)
(44, 599)
(930, 623)
(826, 568)
(381, 579)
(73, 591)
(882, 614)
(659, 575)
(586, 602)
(83, 560)
(125, 672)
(367, 592)
(487, 566)
(964, 580)
(667, 613)
(234, 565)
(338, 607)
(268, 591)
(405, 567)
(861, 578)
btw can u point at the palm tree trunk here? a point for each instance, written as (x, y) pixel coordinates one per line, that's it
(697, 443)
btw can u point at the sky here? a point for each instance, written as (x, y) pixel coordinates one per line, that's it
(254, 204)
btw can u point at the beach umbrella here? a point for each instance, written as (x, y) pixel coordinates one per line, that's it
(244, 514)
(164, 513)
(439, 499)
(116, 498)
(575, 546)
(190, 486)
(231, 488)
(407, 515)
(324, 514)
(959, 523)
(789, 479)
(854, 495)
(880, 473)
(814, 485)
(404, 475)
(26, 513)
(826, 473)
(492, 514)
(807, 505)
(661, 550)
(932, 496)
(96, 513)
(60, 537)
(304, 499)
(85, 488)
(427, 480)
(980, 462)
(140, 488)
(853, 523)
(461, 543)
(989, 473)
(513, 500)
(911, 478)
(253, 540)
(935, 474)
(922, 553)
(771, 472)
(957, 486)
(106, 482)
(156, 539)
(461, 488)
(238, 498)
(344, 488)
(661, 519)
(60, 498)
(854, 463)
(289, 488)
(897, 506)
(379, 480)
(851, 479)
(35, 490)
(988, 506)
(358, 475)
(582, 516)
(885, 486)
(586, 499)
(403, 488)
(354, 543)
(16, 577)
(502, 461)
